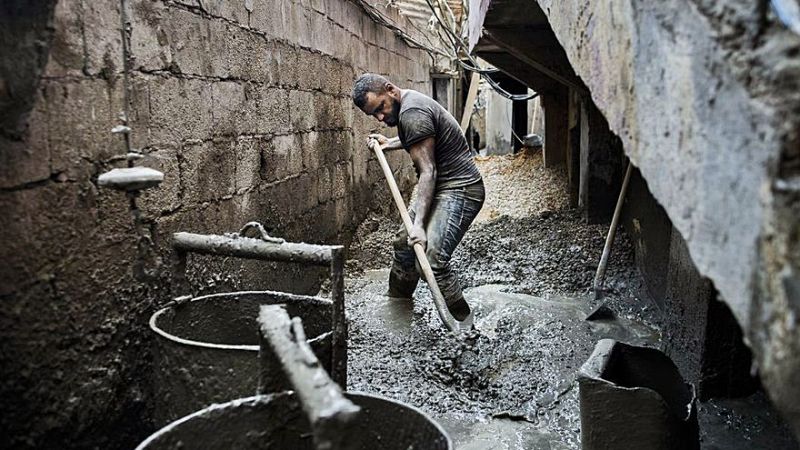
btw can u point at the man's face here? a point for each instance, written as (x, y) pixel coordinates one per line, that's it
(384, 107)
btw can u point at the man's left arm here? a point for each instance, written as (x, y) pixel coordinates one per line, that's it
(386, 143)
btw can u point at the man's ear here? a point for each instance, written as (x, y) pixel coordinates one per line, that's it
(390, 88)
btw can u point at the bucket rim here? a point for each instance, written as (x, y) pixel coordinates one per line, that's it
(248, 348)
(266, 398)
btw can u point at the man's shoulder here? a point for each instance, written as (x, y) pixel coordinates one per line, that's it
(415, 99)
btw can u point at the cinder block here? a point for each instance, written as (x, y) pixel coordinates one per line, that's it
(353, 17)
(267, 17)
(342, 179)
(360, 166)
(310, 148)
(281, 157)
(228, 107)
(326, 112)
(167, 196)
(373, 63)
(305, 30)
(173, 110)
(325, 184)
(185, 42)
(150, 36)
(246, 108)
(354, 52)
(304, 191)
(303, 111)
(334, 146)
(248, 162)
(334, 9)
(223, 49)
(291, 21)
(367, 31)
(349, 110)
(198, 46)
(66, 53)
(229, 9)
(386, 61)
(24, 161)
(282, 201)
(332, 112)
(208, 170)
(343, 212)
(79, 119)
(103, 43)
(272, 114)
(310, 70)
(330, 75)
(322, 36)
(347, 76)
(287, 64)
(251, 57)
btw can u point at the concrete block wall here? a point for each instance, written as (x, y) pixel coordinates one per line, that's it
(244, 105)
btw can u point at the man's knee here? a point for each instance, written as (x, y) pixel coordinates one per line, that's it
(438, 261)
(400, 243)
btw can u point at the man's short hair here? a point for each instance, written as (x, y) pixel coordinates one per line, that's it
(369, 82)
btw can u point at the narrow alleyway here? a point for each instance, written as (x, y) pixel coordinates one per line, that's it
(168, 167)
(528, 264)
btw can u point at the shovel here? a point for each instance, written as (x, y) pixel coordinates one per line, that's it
(448, 320)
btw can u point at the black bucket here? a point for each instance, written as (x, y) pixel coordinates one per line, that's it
(207, 349)
(276, 421)
(634, 397)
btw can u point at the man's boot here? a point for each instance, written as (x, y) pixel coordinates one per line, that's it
(458, 307)
(402, 285)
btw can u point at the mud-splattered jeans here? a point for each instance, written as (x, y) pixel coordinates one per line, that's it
(452, 212)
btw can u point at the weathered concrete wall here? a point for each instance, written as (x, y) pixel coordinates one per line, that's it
(705, 96)
(700, 333)
(244, 105)
(602, 165)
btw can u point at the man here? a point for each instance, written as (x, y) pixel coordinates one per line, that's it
(450, 189)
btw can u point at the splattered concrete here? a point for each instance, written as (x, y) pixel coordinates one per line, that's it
(528, 270)
(527, 264)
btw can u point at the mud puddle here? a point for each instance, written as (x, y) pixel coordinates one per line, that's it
(509, 385)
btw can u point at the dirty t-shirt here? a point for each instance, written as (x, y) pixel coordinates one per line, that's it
(422, 117)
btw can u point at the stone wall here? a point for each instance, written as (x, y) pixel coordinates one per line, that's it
(244, 105)
(705, 96)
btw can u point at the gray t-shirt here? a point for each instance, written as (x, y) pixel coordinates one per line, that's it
(422, 117)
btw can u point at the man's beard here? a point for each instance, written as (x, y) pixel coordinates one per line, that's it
(392, 119)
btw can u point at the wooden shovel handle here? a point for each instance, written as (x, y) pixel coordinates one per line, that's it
(438, 299)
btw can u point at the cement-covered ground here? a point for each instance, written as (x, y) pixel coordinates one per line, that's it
(527, 265)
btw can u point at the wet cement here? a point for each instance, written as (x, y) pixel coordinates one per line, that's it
(527, 266)
(509, 385)
(527, 270)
